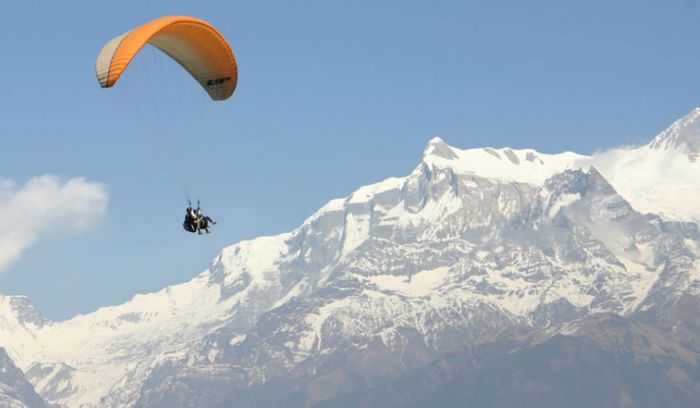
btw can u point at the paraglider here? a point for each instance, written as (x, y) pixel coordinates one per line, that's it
(196, 221)
(194, 44)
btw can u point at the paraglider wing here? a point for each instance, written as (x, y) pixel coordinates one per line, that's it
(193, 43)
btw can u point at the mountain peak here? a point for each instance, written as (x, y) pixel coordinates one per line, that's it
(23, 310)
(683, 135)
(438, 148)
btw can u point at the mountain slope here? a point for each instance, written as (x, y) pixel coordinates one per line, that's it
(15, 390)
(603, 361)
(682, 136)
(658, 177)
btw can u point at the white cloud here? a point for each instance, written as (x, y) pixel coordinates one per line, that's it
(44, 204)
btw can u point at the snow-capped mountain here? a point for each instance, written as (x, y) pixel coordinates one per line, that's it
(470, 245)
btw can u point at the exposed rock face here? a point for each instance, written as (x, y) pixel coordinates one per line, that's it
(15, 390)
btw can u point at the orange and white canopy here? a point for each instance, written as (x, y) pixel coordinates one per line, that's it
(193, 43)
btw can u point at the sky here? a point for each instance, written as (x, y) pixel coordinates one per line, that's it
(332, 95)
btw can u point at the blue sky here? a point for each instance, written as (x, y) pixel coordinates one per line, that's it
(331, 95)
